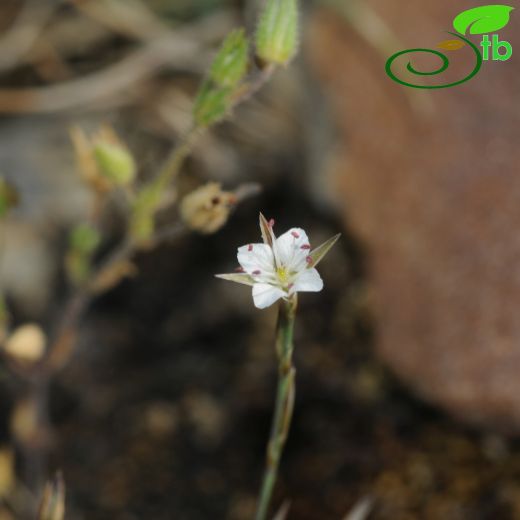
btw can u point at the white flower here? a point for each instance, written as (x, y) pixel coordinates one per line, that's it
(280, 267)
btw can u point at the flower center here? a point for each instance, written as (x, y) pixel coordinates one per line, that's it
(283, 274)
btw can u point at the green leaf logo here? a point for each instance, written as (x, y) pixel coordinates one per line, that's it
(484, 19)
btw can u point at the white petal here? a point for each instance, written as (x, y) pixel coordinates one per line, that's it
(256, 257)
(265, 295)
(289, 249)
(308, 281)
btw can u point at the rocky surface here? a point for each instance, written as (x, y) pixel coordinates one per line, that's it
(431, 185)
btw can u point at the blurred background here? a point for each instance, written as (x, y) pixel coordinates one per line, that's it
(407, 362)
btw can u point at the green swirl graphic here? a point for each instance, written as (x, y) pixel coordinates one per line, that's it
(442, 68)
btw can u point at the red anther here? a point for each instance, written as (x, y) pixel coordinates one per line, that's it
(271, 223)
(294, 234)
(305, 246)
(309, 259)
(239, 270)
(257, 271)
(250, 247)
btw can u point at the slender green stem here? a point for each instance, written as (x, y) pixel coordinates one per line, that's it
(170, 168)
(175, 160)
(284, 403)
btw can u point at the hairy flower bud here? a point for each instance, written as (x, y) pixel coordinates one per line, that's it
(277, 32)
(211, 104)
(104, 161)
(230, 64)
(214, 98)
(115, 163)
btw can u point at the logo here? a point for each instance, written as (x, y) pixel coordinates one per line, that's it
(478, 21)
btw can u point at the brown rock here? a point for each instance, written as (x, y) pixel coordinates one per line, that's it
(431, 184)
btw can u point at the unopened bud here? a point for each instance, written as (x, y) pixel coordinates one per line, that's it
(115, 163)
(230, 64)
(104, 160)
(211, 104)
(214, 98)
(277, 32)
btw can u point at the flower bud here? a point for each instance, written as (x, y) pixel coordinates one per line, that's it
(229, 67)
(211, 104)
(277, 32)
(104, 160)
(230, 64)
(115, 163)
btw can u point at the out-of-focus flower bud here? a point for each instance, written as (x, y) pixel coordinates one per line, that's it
(211, 104)
(277, 32)
(26, 344)
(115, 163)
(227, 71)
(8, 197)
(207, 208)
(230, 64)
(103, 159)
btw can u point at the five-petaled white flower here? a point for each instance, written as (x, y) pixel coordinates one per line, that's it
(280, 267)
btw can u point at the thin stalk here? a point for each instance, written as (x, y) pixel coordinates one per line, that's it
(171, 167)
(63, 345)
(283, 406)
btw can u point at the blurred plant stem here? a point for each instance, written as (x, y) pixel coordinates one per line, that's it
(60, 348)
(176, 158)
(284, 403)
(116, 266)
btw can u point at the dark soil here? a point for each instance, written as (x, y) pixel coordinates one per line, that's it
(165, 411)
